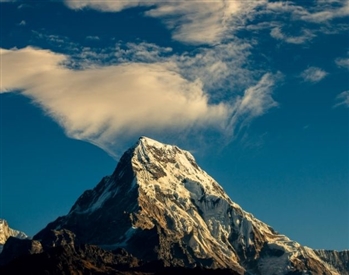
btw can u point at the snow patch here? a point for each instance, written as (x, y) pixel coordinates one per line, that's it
(6, 232)
(126, 237)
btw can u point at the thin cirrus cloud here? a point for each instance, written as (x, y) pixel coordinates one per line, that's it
(343, 99)
(325, 11)
(217, 66)
(306, 36)
(320, 11)
(342, 62)
(103, 105)
(313, 74)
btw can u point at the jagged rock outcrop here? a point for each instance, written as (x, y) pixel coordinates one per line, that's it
(15, 248)
(58, 254)
(338, 259)
(160, 205)
(7, 232)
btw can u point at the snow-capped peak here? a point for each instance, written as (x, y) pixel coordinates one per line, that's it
(167, 164)
(159, 204)
(6, 232)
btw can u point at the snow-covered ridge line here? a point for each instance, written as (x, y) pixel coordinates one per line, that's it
(159, 204)
(182, 179)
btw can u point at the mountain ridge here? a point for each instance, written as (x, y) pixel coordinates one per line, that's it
(7, 232)
(160, 205)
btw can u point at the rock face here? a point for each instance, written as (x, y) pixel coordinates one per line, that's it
(7, 232)
(160, 205)
(338, 259)
(15, 248)
(59, 253)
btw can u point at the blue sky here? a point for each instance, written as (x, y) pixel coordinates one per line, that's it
(258, 91)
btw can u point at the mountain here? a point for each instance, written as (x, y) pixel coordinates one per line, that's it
(159, 205)
(7, 232)
(59, 253)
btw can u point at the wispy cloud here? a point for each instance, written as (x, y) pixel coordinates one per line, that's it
(216, 67)
(313, 74)
(325, 11)
(107, 6)
(343, 62)
(343, 99)
(255, 101)
(141, 52)
(104, 105)
(92, 37)
(320, 11)
(213, 22)
(204, 22)
(190, 21)
(306, 36)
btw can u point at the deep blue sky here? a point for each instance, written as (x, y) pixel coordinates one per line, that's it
(257, 91)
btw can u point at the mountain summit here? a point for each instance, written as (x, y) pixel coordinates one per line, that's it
(160, 205)
(7, 232)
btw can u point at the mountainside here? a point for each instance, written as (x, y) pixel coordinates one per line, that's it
(160, 205)
(7, 232)
(58, 253)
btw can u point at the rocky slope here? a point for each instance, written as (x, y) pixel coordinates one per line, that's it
(338, 259)
(160, 205)
(59, 253)
(7, 232)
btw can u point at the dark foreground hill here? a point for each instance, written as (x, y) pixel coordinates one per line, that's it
(58, 254)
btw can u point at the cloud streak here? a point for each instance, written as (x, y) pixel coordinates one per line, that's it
(325, 11)
(319, 12)
(256, 101)
(343, 99)
(105, 105)
(279, 35)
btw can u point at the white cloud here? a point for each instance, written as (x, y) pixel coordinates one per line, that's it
(220, 66)
(342, 62)
(343, 99)
(141, 52)
(108, 6)
(206, 22)
(325, 11)
(217, 67)
(320, 12)
(279, 35)
(194, 22)
(104, 105)
(256, 101)
(199, 22)
(283, 7)
(22, 23)
(313, 74)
